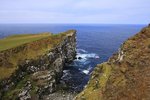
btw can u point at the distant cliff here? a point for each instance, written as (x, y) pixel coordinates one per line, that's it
(126, 75)
(32, 69)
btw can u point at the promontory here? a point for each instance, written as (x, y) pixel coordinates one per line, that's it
(32, 64)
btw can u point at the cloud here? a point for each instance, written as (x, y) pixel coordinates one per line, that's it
(74, 11)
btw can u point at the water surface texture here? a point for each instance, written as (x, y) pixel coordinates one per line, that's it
(95, 44)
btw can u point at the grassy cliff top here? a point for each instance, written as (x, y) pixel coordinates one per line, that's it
(18, 48)
(125, 76)
(16, 40)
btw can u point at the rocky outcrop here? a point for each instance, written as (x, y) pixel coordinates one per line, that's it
(125, 76)
(25, 93)
(42, 73)
(45, 80)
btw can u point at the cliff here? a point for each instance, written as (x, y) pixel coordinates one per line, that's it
(126, 75)
(32, 64)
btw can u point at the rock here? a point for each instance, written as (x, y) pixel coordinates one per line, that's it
(24, 94)
(79, 58)
(51, 64)
(45, 80)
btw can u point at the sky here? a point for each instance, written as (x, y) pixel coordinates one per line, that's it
(75, 11)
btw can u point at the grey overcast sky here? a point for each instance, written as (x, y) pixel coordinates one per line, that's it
(75, 11)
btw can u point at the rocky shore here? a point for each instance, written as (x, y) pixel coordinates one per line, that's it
(35, 78)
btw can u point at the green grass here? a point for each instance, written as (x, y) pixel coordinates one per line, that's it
(26, 46)
(13, 92)
(97, 84)
(34, 46)
(16, 40)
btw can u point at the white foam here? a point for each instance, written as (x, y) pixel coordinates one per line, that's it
(97, 57)
(82, 56)
(92, 55)
(65, 71)
(86, 56)
(86, 71)
(81, 50)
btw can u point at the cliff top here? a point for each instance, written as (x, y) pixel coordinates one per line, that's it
(16, 40)
(18, 48)
(126, 75)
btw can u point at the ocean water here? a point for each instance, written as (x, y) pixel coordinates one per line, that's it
(95, 44)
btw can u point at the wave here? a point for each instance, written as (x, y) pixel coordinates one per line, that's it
(83, 61)
(81, 51)
(87, 71)
(86, 56)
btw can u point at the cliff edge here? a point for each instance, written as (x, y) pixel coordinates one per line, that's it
(32, 64)
(126, 75)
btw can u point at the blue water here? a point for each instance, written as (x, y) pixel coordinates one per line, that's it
(95, 43)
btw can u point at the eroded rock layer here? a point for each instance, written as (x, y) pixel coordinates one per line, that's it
(35, 77)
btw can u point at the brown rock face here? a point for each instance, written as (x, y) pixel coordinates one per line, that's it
(129, 77)
(37, 77)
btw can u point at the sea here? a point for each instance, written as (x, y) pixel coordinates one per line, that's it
(95, 44)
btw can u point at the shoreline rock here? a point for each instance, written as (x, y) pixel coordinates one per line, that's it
(51, 64)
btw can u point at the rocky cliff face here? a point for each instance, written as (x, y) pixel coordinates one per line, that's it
(36, 77)
(126, 75)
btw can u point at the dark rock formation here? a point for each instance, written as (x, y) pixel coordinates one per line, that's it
(79, 58)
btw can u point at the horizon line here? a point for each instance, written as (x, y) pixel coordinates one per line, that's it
(86, 23)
